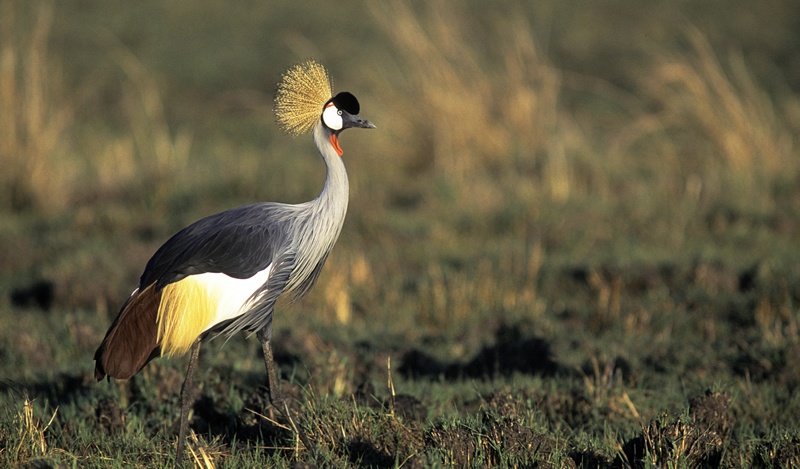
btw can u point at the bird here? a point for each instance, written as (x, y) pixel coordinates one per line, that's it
(223, 274)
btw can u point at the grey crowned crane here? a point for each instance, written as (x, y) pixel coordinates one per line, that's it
(223, 274)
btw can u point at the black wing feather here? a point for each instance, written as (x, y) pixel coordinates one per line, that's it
(238, 243)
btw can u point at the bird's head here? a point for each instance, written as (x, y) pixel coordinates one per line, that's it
(305, 98)
(341, 112)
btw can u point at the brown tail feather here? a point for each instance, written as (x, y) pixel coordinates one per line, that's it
(132, 339)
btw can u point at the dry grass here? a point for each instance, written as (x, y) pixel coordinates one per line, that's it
(717, 119)
(495, 122)
(477, 111)
(156, 154)
(205, 454)
(34, 113)
(30, 441)
(45, 167)
(495, 127)
(604, 388)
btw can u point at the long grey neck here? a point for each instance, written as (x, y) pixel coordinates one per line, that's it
(320, 221)
(332, 201)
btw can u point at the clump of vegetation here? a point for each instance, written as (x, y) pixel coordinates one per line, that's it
(25, 441)
(696, 441)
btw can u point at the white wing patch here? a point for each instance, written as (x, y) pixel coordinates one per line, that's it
(234, 294)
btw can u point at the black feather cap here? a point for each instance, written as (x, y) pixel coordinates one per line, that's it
(346, 102)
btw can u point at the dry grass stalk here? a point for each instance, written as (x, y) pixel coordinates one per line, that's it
(390, 385)
(203, 457)
(31, 433)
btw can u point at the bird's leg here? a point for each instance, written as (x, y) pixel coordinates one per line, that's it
(275, 395)
(187, 400)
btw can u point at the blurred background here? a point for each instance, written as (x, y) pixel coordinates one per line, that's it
(563, 167)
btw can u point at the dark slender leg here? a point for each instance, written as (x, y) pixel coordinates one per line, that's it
(187, 400)
(275, 396)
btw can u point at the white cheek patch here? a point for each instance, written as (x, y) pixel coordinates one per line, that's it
(331, 117)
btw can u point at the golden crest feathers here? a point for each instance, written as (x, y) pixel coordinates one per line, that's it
(302, 92)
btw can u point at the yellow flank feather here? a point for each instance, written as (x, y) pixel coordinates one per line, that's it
(302, 93)
(186, 308)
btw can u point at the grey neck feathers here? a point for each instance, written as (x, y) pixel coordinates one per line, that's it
(321, 219)
(335, 194)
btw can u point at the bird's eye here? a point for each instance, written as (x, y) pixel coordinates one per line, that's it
(339, 112)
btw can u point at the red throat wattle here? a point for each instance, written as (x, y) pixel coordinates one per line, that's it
(335, 143)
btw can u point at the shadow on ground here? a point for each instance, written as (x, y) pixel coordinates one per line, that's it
(512, 353)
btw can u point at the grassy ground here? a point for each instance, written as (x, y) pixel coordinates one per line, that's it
(572, 240)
